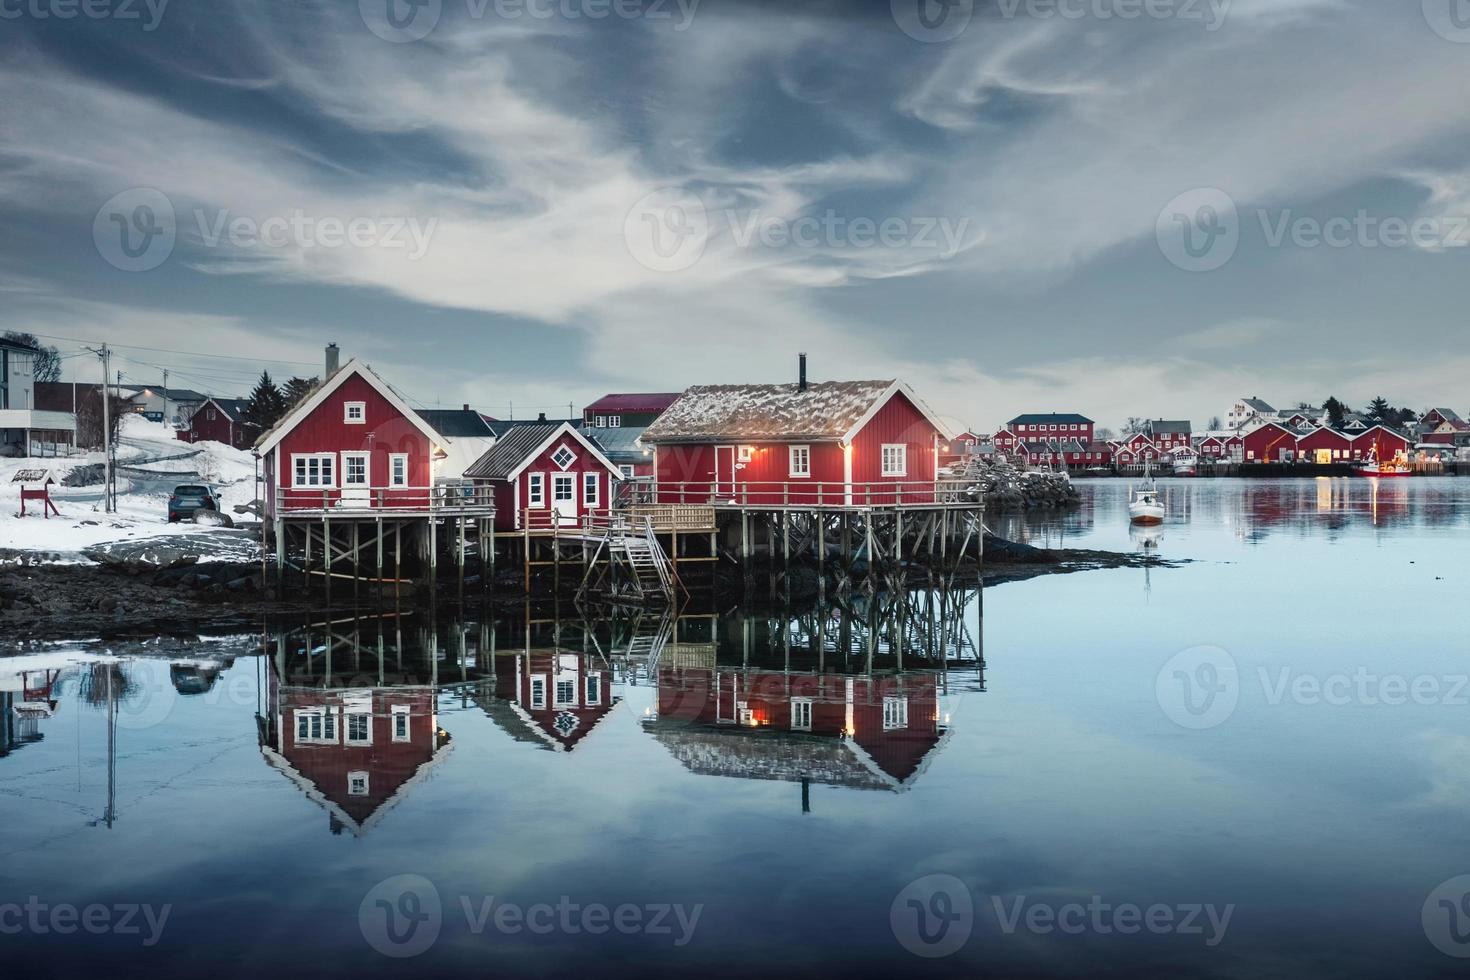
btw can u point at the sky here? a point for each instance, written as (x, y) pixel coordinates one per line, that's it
(1115, 207)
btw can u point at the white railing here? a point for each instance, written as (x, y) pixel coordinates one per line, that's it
(447, 499)
(813, 493)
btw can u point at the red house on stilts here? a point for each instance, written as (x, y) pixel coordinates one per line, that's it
(832, 443)
(544, 475)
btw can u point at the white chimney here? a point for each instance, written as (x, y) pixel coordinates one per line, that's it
(333, 357)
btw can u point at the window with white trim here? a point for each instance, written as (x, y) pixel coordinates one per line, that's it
(601, 422)
(614, 421)
(536, 490)
(801, 714)
(357, 784)
(594, 688)
(626, 471)
(745, 453)
(895, 459)
(354, 469)
(538, 690)
(400, 723)
(801, 460)
(895, 713)
(316, 725)
(398, 469)
(359, 728)
(354, 413)
(591, 495)
(314, 470)
(210, 415)
(563, 457)
(566, 692)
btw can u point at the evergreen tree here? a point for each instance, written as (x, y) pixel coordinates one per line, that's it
(1379, 409)
(1336, 412)
(296, 389)
(267, 404)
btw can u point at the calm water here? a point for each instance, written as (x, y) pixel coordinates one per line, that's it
(1257, 763)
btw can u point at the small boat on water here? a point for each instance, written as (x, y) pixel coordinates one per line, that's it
(1373, 466)
(1143, 502)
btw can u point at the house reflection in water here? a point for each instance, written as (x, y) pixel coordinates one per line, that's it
(354, 749)
(859, 732)
(27, 696)
(551, 697)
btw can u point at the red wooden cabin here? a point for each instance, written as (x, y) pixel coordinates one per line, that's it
(829, 444)
(544, 475)
(219, 420)
(1383, 441)
(1271, 443)
(557, 697)
(1324, 445)
(355, 445)
(355, 752)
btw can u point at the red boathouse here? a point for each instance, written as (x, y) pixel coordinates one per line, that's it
(544, 475)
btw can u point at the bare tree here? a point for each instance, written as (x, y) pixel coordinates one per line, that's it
(48, 359)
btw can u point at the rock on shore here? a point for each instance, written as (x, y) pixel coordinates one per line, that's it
(1008, 489)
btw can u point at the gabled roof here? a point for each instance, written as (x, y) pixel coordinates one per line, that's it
(1159, 426)
(501, 426)
(649, 401)
(268, 440)
(827, 411)
(515, 450)
(1448, 414)
(457, 422)
(1064, 419)
(234, 408)
(1256, 405)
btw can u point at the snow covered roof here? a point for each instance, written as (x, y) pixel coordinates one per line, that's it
(826, 411)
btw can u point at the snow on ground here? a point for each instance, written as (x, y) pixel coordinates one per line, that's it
(152, 461)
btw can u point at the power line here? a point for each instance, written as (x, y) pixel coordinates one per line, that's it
(171, 350)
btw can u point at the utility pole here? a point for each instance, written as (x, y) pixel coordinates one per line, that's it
(109, 499)
(165, 395)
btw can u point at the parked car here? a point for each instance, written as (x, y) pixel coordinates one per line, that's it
(189, 497)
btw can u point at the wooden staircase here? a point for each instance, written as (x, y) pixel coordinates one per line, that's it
(630, 566)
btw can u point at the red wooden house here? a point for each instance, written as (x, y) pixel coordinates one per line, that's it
(1053, 426)
(1324, 445)
(1213, 448)
(1141, 448)
(1270, 443)
(219, 420)
(859, 732)
(1170, 435)
(833, 443)
(543, 475)
(960, 448)
(550, 697)
(1380, 442)
(1006, 441)
(355, 752)
(355, 445)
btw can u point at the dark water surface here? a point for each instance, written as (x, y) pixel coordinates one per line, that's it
(1254, 764)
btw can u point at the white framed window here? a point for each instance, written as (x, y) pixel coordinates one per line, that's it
(614, 421)
(563, 488)
(400, 723)
(398, 469)
(601, 421)
(801, 714)
(626, 471)
(536, 490)
(801, 461)
(591, 495)
(594, 689)
(314, 470)
(359, 728)
(318, 725)
(357, 784)
(895, 459)
(563, 457)
(354, 469)
(566, 692)
(354, 413)
(210, 415)
(538, 690)
(895, 713)
(745, 453)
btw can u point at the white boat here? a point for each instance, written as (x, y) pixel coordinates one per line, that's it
(1143, 502)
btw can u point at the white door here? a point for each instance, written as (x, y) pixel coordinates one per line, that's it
(564, 497)
(355, 489)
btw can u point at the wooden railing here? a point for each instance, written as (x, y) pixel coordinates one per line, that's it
(465, 500)
(813, 493)
(659, 518)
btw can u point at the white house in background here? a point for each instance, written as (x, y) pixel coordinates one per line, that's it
(24, 429)
(1246, 411)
